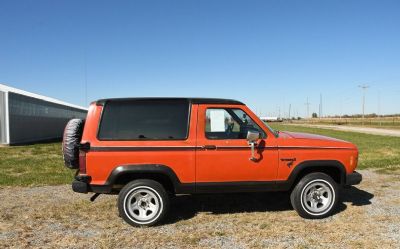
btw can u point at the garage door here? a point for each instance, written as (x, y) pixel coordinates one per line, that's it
(3, 138)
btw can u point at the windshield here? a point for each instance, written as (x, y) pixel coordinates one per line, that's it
(275, 132)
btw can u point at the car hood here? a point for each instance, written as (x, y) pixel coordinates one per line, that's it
(298, 135)
(304, 139)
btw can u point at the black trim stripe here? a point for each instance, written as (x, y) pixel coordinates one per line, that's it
(315, 147)
(192, 148)
(142, 148)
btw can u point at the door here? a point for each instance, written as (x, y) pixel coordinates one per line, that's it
(223, 154)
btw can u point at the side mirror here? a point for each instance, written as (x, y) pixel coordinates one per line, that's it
(252, 137)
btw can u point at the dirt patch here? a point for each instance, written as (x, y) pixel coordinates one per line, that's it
(55, 217)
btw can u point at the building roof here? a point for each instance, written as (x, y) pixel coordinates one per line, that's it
(5, 88)
(191, 100)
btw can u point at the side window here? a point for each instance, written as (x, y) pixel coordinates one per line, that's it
(229, 124)
(144, 120)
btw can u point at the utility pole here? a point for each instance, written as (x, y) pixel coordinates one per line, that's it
(290, 108)
(279, 111)
(379, 108)
(364, 89)
(320, 106)
(308, 108)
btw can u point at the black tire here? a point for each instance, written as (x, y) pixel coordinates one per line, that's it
(155, 195)
(71, 141)
(315, 196)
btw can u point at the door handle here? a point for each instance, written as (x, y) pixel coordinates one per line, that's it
(209, 147)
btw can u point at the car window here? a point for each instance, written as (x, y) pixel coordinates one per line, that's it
(229, 123)
(144, 120)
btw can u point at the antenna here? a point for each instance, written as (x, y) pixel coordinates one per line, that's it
(85, 76)
(364, 89)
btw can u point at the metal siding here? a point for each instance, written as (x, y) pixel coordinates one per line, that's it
(3, 128)
(34, 119)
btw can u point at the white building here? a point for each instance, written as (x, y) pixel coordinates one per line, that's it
(27, 117)
(270, 119)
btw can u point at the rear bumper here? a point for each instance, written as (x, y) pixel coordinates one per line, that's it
(353, 178)
(81, 185)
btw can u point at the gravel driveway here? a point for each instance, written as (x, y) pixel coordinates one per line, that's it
(366, 130)
(55, 217)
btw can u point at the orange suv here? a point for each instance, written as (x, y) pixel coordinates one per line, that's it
(146, 149)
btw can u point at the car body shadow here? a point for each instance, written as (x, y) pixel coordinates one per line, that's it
(356, 196)
(185, 207)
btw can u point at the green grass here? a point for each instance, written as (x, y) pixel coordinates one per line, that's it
(42, 164)
(33, 165)
(379, 152)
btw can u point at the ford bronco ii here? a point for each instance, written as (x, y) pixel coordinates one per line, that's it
(147, 149)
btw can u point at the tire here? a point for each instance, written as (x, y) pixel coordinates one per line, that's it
(143, 203)
(71, 141)
(315, 196)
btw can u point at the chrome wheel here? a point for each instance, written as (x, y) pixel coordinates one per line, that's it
(143, 204)
(317, 197)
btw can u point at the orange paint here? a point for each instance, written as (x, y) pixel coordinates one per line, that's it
(229, 162)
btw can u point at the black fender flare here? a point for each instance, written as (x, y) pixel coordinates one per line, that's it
(158, 169)
(305, 165)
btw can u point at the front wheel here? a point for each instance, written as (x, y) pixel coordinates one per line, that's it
(315, 196)
(143, 202)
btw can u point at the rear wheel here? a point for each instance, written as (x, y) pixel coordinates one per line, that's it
(143, 202)
(315, 196)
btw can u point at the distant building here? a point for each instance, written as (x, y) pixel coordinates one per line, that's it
(27, 117)
(271, 119)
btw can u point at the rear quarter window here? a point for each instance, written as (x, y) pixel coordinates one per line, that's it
(144, 120)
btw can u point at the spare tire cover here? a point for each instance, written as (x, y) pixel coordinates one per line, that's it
(71, 141)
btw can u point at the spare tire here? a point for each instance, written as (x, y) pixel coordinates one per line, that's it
(71, 141)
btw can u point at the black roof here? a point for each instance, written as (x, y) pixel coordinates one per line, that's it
(190, 100)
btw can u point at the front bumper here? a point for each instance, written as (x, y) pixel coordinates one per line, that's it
(353, 178)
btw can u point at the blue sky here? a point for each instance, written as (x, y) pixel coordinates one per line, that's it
(268, 54)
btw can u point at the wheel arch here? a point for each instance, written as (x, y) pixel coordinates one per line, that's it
(333, 168)
(157, 172)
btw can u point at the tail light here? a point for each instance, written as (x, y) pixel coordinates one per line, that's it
(82, 162)
(83, 149)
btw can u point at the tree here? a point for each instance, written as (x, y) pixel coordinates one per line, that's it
(314, 115)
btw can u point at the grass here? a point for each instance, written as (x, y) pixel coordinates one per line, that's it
(42, 164)
(33, 165)
(378, 152)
